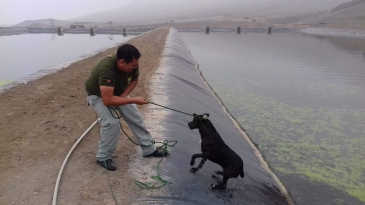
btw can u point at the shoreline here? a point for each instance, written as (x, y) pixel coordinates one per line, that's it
(42, 120)
(200, 27)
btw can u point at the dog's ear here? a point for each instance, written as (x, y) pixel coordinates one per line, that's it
(205, 115)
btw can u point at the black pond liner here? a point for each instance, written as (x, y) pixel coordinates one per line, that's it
(181, 87)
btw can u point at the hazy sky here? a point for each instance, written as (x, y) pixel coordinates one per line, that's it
(16, 11)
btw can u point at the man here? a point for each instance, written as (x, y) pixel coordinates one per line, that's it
(110, 82)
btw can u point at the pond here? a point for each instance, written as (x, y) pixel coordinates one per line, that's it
(301, 100)
(22, 55)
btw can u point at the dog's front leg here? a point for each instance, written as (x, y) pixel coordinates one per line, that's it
(203, 155)
(194, 169)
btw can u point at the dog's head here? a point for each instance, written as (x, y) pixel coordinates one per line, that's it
(198, 119)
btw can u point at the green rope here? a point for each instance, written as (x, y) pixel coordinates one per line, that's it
(170, 108)
(163, 147)
(158, 177)
(110, 184)
(120, 116)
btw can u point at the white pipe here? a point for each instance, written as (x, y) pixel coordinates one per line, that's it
(64, 162)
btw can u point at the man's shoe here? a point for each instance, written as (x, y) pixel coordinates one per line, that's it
(158, 153)
(107, 164)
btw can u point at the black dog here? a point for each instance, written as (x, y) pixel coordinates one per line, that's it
(214, 149)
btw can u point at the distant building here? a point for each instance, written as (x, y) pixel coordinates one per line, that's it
(77, 26)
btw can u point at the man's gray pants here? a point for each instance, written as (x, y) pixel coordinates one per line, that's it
(110, 128)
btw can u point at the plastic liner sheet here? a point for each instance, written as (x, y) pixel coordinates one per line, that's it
(179, 85)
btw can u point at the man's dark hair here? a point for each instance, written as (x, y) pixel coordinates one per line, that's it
(127, 52)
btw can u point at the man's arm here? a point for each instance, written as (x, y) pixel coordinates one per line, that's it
(109, 99)
(129, 88)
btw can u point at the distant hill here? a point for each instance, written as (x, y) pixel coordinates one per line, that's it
(5, 25)
(39, 25)
(48, 23)
(349, 12)
(43, 22)
(338, 13)
(148, 11)
(348, 5)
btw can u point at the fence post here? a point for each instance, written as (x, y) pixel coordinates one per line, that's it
(92, 31)
(239, 30)
(60, 31)
(207, 30)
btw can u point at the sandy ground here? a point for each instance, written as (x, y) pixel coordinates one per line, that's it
(41, 121)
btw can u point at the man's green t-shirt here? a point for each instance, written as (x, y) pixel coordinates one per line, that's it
(106, 73)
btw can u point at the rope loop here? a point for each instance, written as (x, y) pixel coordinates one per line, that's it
(117, 114)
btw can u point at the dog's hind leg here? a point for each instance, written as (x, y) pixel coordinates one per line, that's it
(216, 176)
(222, 185)
(195, 169)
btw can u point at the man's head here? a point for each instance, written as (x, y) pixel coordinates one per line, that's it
(127, 58)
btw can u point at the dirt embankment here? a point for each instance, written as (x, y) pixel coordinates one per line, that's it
(40, 122)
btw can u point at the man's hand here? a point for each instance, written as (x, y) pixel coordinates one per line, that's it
(140, 100)
(110, 100)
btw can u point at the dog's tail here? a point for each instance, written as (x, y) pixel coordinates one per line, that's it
(242, 174)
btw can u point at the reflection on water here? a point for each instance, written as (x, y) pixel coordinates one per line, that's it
(301, 99)
(22, 55)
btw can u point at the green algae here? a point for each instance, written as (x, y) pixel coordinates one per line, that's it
(4, 82)
(322, 143)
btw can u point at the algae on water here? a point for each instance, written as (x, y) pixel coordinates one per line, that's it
(319, 139)
(4, 82)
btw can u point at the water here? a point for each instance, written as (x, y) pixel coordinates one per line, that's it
(179, 85)
(22, 55)
(301, 99)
